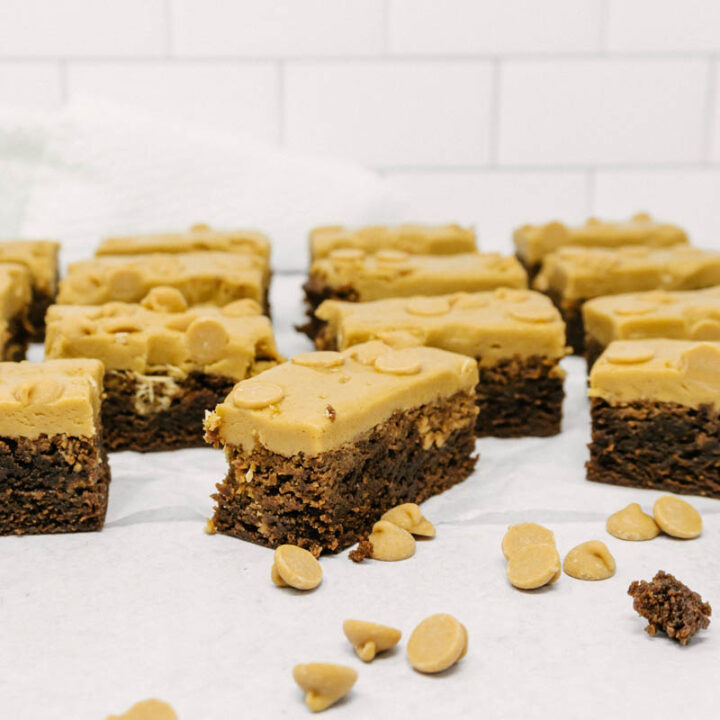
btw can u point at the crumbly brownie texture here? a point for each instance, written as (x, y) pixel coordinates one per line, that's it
(329, 501)
(571, 312)
(534, 242)
(593, 350)
(670, 606)
(15, 298)
(316, 292)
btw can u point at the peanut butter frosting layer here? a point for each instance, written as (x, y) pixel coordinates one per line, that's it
(688, 315)
(15, 289)
(40, 257)
(584, 273)
(319, 401)
(55, 397)
(392, 273)
(164, 336)
(534, 242)
(197, 238)
(490, 326)
(658, 370)
(410, 238)
(212, 277)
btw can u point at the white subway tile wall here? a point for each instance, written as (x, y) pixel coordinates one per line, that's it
(493, 112)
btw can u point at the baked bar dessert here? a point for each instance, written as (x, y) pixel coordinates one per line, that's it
(572, 276)
(320, 447)
(204, 278)
(685, 315)
(165, 365)
(670, 606)
(354, 276)
(655, 422)
(410, 238)
(15, 299)
(54, 474)
(40, 257)
(517, 338)
(534, 242)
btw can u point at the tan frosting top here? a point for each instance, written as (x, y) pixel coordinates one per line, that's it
(39, 256)
(215, 278)
(227, 341)
(490, 325)
(15, 289)
(688, 315)
(659, 370)
(583, 273)
(392, 273)
(51, 398)
(318, 401)
(411, 238)
(198, 237)
(533, 242)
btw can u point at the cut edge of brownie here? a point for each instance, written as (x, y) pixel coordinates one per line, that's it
(316, 292)
(593, 350)
(41, 301)
(329, 501)
(571, 311)
(17, 337)
(532, 269)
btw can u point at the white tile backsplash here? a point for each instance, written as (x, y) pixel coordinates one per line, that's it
(30, 85)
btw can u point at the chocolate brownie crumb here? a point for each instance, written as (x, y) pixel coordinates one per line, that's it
(330, 412)
(363, 550)
(670, 606)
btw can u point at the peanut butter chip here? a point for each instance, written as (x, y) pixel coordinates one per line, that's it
(295, 567)
(398, 339)
(512, 295)
(631, 523)
(255, 396)
(590, 561)
(241, 308)
(369, 638)
(323, 683)
(428, 306)
(391, 256)
(206, 338)
(125, 284)
(437, 643)
(398, 362)
(390, 542)
(533, 566)
(369, 352)
(533, 314)
(524, 534)
(39, 392)
(409, 517)
(324, 359)
(147, 710)
(165, 299)
(635, 307)
(628, 353)
(677, 517)
(347, 255)
(705, 330)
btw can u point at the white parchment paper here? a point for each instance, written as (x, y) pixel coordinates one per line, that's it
(153, 607)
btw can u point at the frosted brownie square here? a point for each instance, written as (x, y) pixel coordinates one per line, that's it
(572, 276)
(41, 258)
(15, 300)
(165, 364)
(655, 421)
(319, 447)
(54, 474)
(517, 338)
(534, 242)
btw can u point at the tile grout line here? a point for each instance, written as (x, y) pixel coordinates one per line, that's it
(62, 66)
(494, 129)
(281, 105)
(168, 18)
(590, 188)
(711, 109)
(385, 30)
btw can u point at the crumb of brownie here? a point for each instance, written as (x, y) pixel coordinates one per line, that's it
(362, 551)
(147, 710)
(390, 543)
(670, 606)
(437, 643)
(330, 412)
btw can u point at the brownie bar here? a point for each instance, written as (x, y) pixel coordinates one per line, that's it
(329, 501)
(316, 292)
(16, 335)
(571, 311)
(41, 301)
(593, 350)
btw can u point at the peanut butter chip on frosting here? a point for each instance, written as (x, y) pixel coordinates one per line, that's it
(707, 329)
(125, 284)
(636, 307)
(39, 392)
(206, 338)
(628, 354)
(437, 643)
(165, 299)
(391, 256)
(533, 314)
(255, 396)
(241, 308)
(324, 359)
(428, 306)
(347, 255)
(398, 362)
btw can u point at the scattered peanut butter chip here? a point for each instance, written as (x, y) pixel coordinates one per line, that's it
(255, 396)
(369, 638)
(320, 359)
(635, 307)
(210, 528)
(590, 561)
(524, 534)
(296, 567)
(125, 284)
(677, 517)
(391, 256)
(428, 306)
(241, 308)
(206, 338)
(533, 314)
(324, 683)
(40, 391)
(398, 362)
(165, 299)
(390, 542)
(437, 643)
(147, 710)
(533, 566)
(631, 523)
(347, 255)
(628, 353)
(409, 517)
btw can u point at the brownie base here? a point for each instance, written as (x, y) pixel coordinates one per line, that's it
(41, 301)
(532, 269)
(593, 350)
(316, 292)
(52, 484)
(657, 446)
(571, 311)
(18, 336)
(329, 501)
(136, 418)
